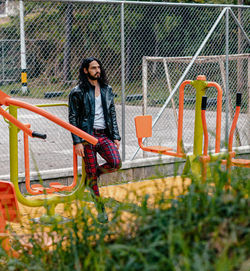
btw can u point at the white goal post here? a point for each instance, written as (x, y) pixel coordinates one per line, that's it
(220, 59)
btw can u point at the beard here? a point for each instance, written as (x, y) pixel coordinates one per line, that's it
(96, 77)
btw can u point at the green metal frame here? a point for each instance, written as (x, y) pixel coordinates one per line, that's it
(51, 201)
(192, 161)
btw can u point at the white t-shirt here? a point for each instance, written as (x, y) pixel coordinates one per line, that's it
(99, 122)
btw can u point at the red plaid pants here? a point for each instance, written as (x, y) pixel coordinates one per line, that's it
(108, 151)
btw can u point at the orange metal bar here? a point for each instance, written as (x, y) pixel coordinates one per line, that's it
(180, 115)
(27, 169)
(3, 97)
(176, 154)
(205, 132)
(6, 100)
(204, 158)
(16, 122)
(231, 134)
(230, 145)
(60, 122)
(218, 117)
(75, 172)
(27, 163)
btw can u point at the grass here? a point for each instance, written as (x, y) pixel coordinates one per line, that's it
(37, 91)
(157, 94)
(208, 228)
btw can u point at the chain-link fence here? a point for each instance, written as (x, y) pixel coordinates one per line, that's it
(59, 34)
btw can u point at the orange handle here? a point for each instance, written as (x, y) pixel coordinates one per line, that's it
(236, 115)
(42, 112)
(204, 124)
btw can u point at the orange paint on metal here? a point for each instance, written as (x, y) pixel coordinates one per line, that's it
(231, 134)
(60, 122)
(218, 117)
(202, 78)
(205, 132)
(8, 212)
(180, 119)
(143, 125)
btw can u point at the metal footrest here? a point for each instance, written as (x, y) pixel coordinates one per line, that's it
(238, 162)
(241, 162)
(38, 187)
(157, 148)
(57, 185)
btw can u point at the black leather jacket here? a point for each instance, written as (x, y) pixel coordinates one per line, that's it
(82, 111)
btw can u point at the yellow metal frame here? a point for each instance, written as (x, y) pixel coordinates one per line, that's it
(49, 201)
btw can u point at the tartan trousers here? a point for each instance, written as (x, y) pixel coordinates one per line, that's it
(108, 151)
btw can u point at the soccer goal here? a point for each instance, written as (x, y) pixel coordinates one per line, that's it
(160, 75)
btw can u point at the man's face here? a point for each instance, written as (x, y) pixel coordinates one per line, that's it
(94, 70)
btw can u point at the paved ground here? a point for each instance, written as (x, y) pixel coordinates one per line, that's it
(56, 151)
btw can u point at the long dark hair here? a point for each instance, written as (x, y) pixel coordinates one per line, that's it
(83, 79)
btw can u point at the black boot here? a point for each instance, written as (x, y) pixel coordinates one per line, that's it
(102, 216)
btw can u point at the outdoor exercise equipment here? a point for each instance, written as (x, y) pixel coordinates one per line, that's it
(143, 126)
(36, 189)
(230, 161)
(8, 212)
(52, 201)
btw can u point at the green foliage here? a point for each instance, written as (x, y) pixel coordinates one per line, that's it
(207, 228)
(96, 31)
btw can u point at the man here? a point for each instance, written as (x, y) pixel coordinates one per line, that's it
(92, 109)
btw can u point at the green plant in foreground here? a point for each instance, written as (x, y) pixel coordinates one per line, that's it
(207, 228)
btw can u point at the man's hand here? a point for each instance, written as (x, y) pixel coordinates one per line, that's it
(117, 143)
(79, 149)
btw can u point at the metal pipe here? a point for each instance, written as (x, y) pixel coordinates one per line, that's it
(144, 85)
(227, 77)
(3, 59)
(218, 114)
(9, 101)
(123, 81)
(240, 26)
(23, 50)
(67, 48)
(149, 3)
(185, 72)
(13, 148)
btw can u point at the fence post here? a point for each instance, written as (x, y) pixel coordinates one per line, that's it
(67, 48)
(144, 85)
(123, 81)
(227, 71)
(23, 51)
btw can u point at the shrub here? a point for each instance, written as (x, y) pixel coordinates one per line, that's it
(207, 228)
